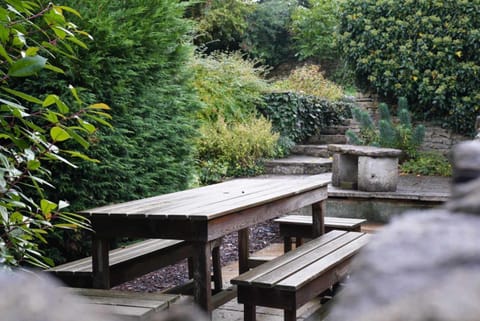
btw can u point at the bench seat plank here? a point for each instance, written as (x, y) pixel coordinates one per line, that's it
(126, 263)
(279, 275)
(247, 277)
(127, 305)
(332, 222)
(312, 271)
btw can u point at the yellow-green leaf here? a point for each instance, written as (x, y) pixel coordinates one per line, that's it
(99, 106)
(59, 134)
(47, 206)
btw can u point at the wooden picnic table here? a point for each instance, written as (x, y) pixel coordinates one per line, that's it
(203, 215)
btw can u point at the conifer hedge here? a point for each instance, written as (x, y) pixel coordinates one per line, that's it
(426, 51)
(138, 64)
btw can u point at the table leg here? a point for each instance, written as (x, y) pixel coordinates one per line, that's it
(100, 263)
(243, 251)
(202, 276)
(318, 214)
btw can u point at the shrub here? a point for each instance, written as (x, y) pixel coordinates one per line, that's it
(314, 29)
(297, 116)
(39, 127)
(221, 24)
(267, 36)
(228, 86)
(426, 52)
(236, 149)
(428, 163)
(309, 80)
(138, 65)
(398, 134)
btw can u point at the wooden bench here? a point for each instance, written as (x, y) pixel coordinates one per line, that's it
(131, 261)
(300, 226)
(291, 280)
(125, 305)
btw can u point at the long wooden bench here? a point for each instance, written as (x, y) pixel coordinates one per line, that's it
(131, 261)
(125, 305)
(300, 227)
(291, 280)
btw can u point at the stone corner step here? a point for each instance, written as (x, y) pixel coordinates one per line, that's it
(311, 150)
(298, 165)
(327, 139)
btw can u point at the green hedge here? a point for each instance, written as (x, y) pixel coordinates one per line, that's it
(137, 65)
(425, 51)
(297, 116)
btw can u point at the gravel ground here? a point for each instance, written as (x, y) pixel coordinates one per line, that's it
(261, 236)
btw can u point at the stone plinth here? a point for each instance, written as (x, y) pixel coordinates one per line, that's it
(365, 168)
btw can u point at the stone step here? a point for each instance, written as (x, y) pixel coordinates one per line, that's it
(311, 150)
(327, 139)
(334, 130)
(298, 165)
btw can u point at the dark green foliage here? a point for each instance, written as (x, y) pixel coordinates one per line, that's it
(391, 133)
(428, 163)
(298, 116)
(221, 24)
(314, 29)
(267, 36)
(425, 51)
(138, 65)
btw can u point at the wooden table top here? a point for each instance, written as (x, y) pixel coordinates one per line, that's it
(213, 201)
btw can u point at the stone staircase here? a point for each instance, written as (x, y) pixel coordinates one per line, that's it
(313, 157)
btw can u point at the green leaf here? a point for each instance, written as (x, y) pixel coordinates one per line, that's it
(27, 66)
(75, 93)
(82, 156)
(62, 107)
(77, 42)
(47, 206)
(33, 164)
(4, 54)
(51, 99)
(100, 120)
(79, 139)
(68, 9)
(59, 134)
(23, 95)
(99, 106)
(32, 51)
(54, 68)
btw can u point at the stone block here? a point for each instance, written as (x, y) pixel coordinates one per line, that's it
(345, 171)
(377, 174)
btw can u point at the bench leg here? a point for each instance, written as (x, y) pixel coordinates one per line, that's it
(290, 315)
(100, 263)
(243, 253)
(217, 269)
(287, 244)
(249, 312)
(190, 268)
(202, 276)
(298, 241)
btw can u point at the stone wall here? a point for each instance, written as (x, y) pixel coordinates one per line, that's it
(440, 140)
(436, 138)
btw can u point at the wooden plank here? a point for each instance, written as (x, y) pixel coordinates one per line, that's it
(311, 271)
(225, 224)
(160, 205)
(123, 294)
(119, 255)
(176, 198)
(329, 220)
(300, 263)
(248, 277)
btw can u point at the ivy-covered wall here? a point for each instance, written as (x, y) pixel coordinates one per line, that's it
(426, 51)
